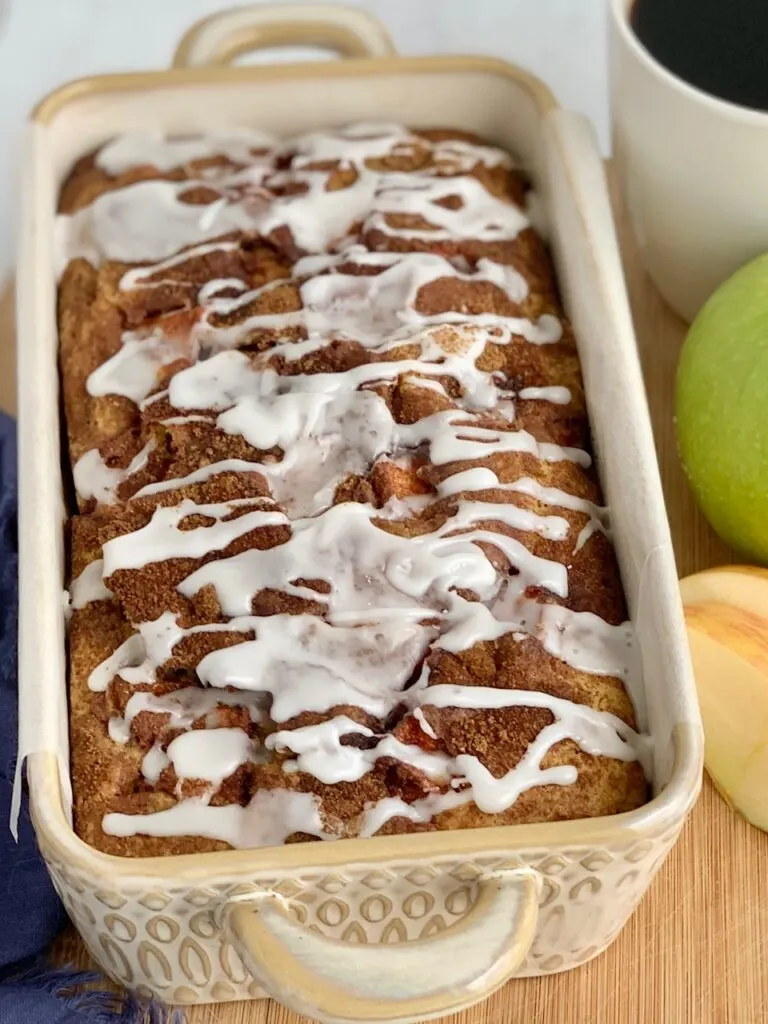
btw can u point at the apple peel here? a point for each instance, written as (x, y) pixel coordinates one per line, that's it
(726, 612)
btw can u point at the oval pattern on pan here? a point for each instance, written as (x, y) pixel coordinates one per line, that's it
(155, 964)
(120, 927)
(231, 963)
(194, 962)
(116, 959)
(376, 908)
(162, 929)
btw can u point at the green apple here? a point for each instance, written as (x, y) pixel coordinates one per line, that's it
(722, 410)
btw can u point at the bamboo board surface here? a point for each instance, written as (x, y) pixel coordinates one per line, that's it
(696, 950)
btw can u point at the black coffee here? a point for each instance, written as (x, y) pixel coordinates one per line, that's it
(720, 46)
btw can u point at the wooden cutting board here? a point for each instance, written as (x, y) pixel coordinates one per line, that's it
(696, 950)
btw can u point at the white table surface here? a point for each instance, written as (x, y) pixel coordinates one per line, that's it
(44, 43)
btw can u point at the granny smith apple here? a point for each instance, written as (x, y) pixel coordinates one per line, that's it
(722, 410)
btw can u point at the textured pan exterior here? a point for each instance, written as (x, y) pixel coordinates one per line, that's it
(155, 924)
(159, 933)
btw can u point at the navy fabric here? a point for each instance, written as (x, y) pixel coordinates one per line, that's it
(30, 910)
(31, 991)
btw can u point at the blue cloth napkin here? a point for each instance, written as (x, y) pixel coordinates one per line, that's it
(32, 991)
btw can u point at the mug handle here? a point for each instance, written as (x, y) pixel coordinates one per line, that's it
(349, 983)
(219, 39)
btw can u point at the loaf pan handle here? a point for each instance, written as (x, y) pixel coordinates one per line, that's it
(222, 37)
(339, 982)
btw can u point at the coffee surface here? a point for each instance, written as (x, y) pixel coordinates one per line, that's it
(718, 46)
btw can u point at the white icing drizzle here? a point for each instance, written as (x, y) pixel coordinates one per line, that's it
(305, 664)
(598, 733)
(556, 394)
(390, 599)
(322, 754)
(136, 149)
(154, 763)
(161, 539)
(136, 277)
(146, 220)
(95, 479)
(271, 816)
(372, 307)
(300, 661)
(212, 288)
(200, 476)
(172, 421)
(328, 429)
(481, 479)
(371, 571)
(132, 370)
(586, 642)
(426, 728)
(210, 754)
(365, 140)
(323, 437)
(318, 217)
(149, 220)
(378, 311)
(89, 586)
(129, 654)
(480, 216)
(378, 814)
(386, 566)
(184, 707)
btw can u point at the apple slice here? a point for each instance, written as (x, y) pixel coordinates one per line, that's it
(726, 612)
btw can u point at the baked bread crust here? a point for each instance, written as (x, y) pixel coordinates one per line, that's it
(181, 373)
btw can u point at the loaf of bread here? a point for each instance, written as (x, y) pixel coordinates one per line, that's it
(340, 564)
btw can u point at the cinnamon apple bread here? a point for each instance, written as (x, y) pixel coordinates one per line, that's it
(340, 564)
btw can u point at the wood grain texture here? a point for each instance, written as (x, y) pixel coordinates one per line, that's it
(696, 950)
(7, 348)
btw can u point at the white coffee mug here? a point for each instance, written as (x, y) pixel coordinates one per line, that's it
(693, 170)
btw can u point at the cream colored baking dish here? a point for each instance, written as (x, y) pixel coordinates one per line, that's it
(357, 930)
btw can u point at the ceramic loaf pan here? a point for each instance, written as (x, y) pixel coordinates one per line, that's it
(357, 930)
